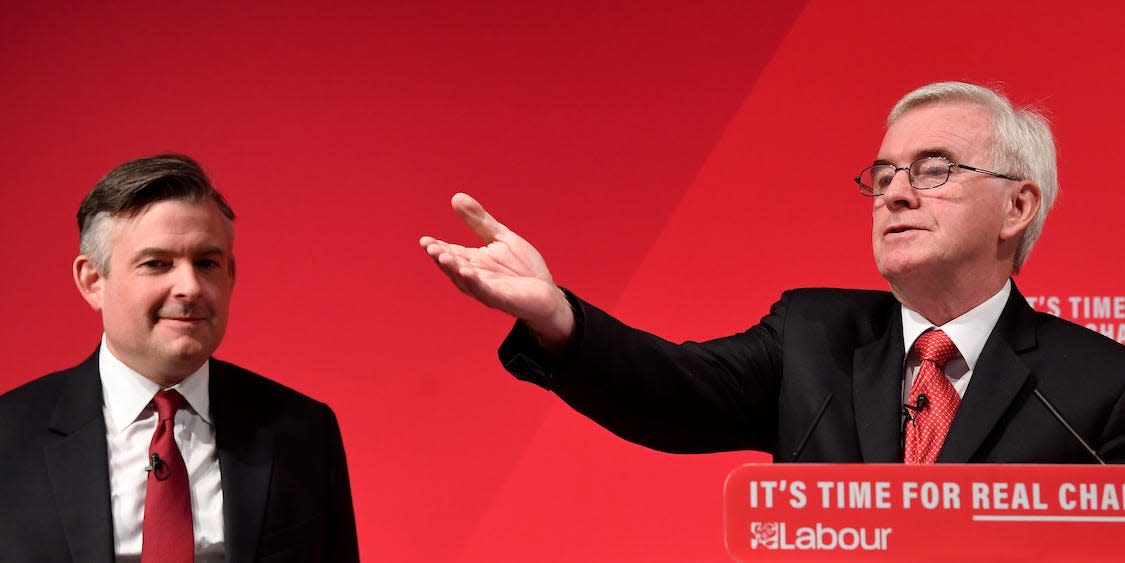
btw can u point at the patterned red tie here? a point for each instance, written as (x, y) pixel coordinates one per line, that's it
(167, 534)
(926, 433)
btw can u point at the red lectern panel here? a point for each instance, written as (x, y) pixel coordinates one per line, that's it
(925, 513)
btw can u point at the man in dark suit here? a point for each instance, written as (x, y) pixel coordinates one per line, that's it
(238, 468)
(951, 365)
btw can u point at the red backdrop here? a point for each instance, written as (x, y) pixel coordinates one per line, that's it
(678, 164)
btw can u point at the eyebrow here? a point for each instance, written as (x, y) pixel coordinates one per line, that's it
(923, 153)
(157, 251)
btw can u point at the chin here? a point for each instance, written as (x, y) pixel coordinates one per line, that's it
(901, 268)
(189, 352)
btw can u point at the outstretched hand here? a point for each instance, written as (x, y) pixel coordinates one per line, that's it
(507, 273)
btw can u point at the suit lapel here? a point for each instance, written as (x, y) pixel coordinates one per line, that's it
(877, 394)
(245, 449)
(997, 379)
(78, 465)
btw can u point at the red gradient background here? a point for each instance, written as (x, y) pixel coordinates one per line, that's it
(679, 164)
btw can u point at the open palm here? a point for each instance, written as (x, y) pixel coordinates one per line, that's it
(507, 273)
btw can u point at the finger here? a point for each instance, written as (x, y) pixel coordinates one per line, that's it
(451, 271)
(437, 248)
(473, 214)
(452, 266)
(432, 246)
(450, 262)
(462, 274)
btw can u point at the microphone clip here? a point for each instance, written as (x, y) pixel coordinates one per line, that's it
(910, 412)
(157, 468)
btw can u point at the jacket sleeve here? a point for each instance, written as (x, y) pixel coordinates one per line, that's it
(694, 397)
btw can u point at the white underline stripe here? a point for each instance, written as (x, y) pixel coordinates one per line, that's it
(1047, 518)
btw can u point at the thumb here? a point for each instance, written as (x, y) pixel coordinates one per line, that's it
(474, 215)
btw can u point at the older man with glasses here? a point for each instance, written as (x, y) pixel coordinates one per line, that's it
(951, 365)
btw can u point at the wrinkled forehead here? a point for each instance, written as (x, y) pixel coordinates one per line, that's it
(960, 131)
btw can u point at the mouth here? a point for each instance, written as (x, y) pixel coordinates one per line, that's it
(183, 315)
(183, 321)
(899, 229)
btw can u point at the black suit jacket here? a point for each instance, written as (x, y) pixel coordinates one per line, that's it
(286, 495)
(761, 389)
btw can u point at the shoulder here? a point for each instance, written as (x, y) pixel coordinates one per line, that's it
(234, 385)
(1065, 359)
(834, 306)
(1077, 343)
(34, 391)
(28, 406)
(840, 318)
(34, 398)
(246, 406)
(830, 297)
(67, 399)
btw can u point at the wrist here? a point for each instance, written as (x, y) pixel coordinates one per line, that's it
(556, 330)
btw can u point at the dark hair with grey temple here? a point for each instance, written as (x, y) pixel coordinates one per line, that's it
(133, 186)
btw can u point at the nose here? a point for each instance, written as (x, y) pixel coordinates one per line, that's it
(186, 283)
(900, 194)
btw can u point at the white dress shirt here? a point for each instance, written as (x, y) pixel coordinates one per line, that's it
(130, 420)
(968, 332)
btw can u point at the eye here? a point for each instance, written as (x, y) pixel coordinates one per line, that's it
(931, 168)
(882, 176)
(208, 264)
(155, 264)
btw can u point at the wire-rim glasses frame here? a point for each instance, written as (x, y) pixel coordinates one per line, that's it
(926, 173)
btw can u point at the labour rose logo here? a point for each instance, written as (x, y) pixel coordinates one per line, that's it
(765, 535)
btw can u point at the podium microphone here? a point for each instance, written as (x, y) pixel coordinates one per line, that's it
(808, 433)
(1062, 420)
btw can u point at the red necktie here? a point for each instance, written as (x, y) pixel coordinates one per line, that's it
(166, 533)
(926, 432)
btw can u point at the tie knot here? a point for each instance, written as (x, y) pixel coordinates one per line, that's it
(167, 403)
(935, 346)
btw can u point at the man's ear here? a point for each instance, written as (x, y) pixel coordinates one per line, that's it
(90, 281)
(1022, 206)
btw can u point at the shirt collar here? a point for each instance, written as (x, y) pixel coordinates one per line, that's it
(968, 332)
(126, 393)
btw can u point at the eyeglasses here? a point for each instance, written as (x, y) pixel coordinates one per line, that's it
(925, 174)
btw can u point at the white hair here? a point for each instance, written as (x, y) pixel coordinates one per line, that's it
(95, 242)
(1022, 143)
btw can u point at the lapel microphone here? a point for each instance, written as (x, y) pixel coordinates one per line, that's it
(157, 467)
(910, 411)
